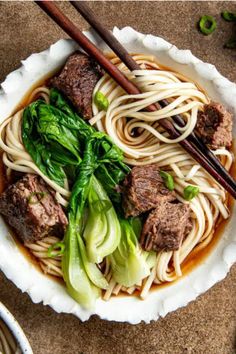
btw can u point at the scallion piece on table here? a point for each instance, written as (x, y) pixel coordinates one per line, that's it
(229, 16)
(207, 24)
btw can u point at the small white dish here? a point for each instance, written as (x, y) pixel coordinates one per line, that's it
(15, 329)
(122, 308)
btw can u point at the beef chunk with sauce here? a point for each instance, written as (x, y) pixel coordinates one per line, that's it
(214, 125)
(77, 81)
(30, 207)
(143, 189)
(165, 227)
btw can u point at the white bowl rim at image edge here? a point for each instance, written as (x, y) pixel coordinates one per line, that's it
(15, 329)
(122, 308)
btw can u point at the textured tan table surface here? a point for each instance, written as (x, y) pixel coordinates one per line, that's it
(207, 325)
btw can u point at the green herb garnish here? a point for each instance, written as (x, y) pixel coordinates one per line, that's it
(56, 250)
(101, 101)
(207, 24)
(190, 192)
(39, 196)
(229, 16)
(168, 180)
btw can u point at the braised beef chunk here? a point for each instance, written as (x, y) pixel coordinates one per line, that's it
(30, 207)
(77, 81)
(214, 125)
(143, 190)
(165, 227)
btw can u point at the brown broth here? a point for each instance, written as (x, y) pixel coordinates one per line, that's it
(194, 258)
(25, 100)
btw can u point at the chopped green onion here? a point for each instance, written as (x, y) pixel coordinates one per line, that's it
(168, 180)
(207, 24)
(231, 44)
(190, 192)
(229, 16)
(101, 101)
(39, 196)
(56, 250)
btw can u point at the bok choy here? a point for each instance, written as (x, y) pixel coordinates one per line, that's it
(110, 173)
(55, 136)
(102, 227)
(129, 263)
(36, 147)
(79, 263)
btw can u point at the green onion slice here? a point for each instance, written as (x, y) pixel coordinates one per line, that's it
(56, 250)
(168, 180)
(207, 24)
(101, 101)
(190, 192)
(229, 16)
(39, 196)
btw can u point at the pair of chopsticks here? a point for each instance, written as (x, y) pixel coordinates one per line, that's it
(193, 144)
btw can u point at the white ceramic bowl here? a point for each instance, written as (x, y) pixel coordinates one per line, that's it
(41, 288)
(16, 330)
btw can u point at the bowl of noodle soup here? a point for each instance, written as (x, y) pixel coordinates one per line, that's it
(12, 337)
(189, 84)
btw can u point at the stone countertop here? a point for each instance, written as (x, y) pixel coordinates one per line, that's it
(207, 325)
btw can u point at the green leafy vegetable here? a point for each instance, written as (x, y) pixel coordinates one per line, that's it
(136, 225)
(150, 258)
(207, 24)
(36, 197)
(110, 173)
(93, 273)
(37, 149)
(98, 149)
(190, 192)
(84, 130)
(129, 263)
(229, 16)
(102, 231)
(59, 132)
(168, 180)
(56, 250)
(54, 136)
(101, 101)
(78, 284)
(74, 261)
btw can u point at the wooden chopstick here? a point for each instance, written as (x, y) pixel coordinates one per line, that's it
(54, 12)
(131, 64)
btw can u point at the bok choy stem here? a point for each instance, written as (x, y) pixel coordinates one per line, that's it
(102, 231)
(98, 149)
(128, 262)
